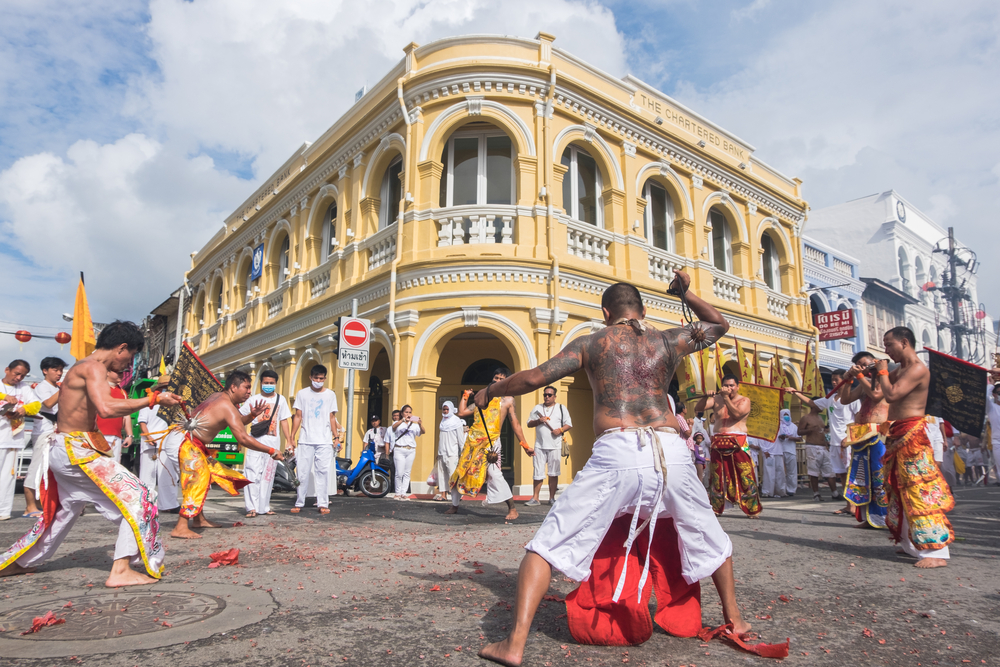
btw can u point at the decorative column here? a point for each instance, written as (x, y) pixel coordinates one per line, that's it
(423, 400)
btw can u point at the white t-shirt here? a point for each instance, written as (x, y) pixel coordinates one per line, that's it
(43, 426)
(24, 394)
(993, 414)
(380, 436)
(405, 434)
(316, 407)
(839, 416)
(151, 418)
(933, 430)
(273, 437)
(558, 417)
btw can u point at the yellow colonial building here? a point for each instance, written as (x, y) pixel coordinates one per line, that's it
(477, 201)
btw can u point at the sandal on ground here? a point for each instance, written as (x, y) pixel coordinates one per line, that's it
(270, 513)
(843, 511)
(438, 497)
(817, 497)
(324, 510)
(296, 510)
(251, 514)
(31, 515)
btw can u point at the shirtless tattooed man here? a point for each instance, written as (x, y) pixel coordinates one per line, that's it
(732, 473)
(640, 465)
(80, 457)
(198, 471)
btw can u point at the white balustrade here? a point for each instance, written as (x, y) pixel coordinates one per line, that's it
(586, 241)
(777, 305)
(241, 323)
(475, 224)
(726, 287)
(662, 264)
(319, 284)
(381, 247)
(842, 267)
(814, 254)
(847, 347)
(275, 305)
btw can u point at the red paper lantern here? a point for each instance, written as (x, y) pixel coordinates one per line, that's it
(62, 338)
(927, 287)
(980, 314)
(23, 336)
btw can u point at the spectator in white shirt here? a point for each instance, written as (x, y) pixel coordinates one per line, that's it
(17, 400)
(550, 420)
(316, 412)
(404, 448)
(259, 467)
(378, 438)
(47, 391)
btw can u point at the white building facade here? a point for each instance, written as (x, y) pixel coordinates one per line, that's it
(833, 283)
(898, 244)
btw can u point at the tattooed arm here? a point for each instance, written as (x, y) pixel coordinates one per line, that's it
(711, 325)
(567, 362)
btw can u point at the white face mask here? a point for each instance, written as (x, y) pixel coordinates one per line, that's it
(317, 385)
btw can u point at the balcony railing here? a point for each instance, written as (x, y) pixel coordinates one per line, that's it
(814, 254)
(846, 347)
(727, 287)
(777, 305)
(319, 284)
(462, 225)
(662, 264)
(241, 323)
(587, 241)
(381, 247)
(842, 267)
(275, 305)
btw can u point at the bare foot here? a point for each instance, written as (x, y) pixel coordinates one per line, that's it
(741, 627)
(511, 515)
(201, 522)
(128, 578)
(184, 532)
(452, 510)
(15, 569)
(502, 653)
(925, 563)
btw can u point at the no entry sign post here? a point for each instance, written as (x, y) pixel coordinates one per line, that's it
(352, 355)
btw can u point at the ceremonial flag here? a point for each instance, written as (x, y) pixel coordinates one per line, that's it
(957, 392)
(746, 369)
(83, 342)
(686, 379)
(705, 367)
(765, 406)
(192, 380)
(778, 377)
(719, 368)
(758, 369)
(163, 366)
(812, 383)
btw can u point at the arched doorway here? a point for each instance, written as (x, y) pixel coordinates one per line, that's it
(468, 361)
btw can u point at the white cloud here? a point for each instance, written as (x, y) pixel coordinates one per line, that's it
(246, 78)
(749, 11)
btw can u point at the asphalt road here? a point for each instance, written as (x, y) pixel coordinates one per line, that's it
(382, 582)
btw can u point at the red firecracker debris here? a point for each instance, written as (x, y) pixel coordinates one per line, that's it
(40, 622)
(435, 587)
(231, 557)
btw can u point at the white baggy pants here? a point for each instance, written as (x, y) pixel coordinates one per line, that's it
(168, 472)
(911, 549)
(311, 459)
(147, 468)
(8, 480)
(774, 476)
(259, 468)
(791, 472)
(402, 459)
(497, 488)
(75, 491)
(445, 469)
(621, 478)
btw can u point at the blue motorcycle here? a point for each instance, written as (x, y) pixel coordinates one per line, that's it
(368, 476)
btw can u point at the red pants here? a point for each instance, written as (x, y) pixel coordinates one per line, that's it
(595, 619)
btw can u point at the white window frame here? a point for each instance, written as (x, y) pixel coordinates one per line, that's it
(775, 263)
(648, 215)
(383, 214)
(481, 189)
(574, 209)
(327, 240)
(727, 239)
(283, 258)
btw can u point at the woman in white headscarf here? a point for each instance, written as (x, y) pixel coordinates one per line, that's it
(778, 467)
(451, 437)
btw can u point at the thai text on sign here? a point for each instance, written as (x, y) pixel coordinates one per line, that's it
(835, 325)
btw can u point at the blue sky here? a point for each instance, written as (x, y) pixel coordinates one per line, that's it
(128, 130)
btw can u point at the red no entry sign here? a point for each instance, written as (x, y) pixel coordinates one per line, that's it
(355, 333)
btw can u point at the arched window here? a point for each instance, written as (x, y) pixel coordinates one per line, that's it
(769, 262)
(218, 302)
(478, 169)
(925, 339)
(283, 270)
(582, 187)
(391, 194)
(816, 305)
(722, 241)
(199, 311)
(904, 269)
(659, 216)
(329, 230)
(250, 284)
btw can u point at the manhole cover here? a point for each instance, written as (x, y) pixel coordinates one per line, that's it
(107, 621)
(116, 614)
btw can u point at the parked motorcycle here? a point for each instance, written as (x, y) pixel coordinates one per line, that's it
(368, 476)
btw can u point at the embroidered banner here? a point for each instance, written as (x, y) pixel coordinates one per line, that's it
(957, 392)
(192, 380)
(765, 405)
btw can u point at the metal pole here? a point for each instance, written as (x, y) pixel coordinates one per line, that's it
(957, 328)
(349, 424)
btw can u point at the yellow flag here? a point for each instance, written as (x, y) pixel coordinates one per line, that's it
(746, 369)
(83, 327)
(719, 367)
(812, 385)
(686, 379)
(758, 369)
(765, 404)
(163, 366)
(778, 377)
(706, 369)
